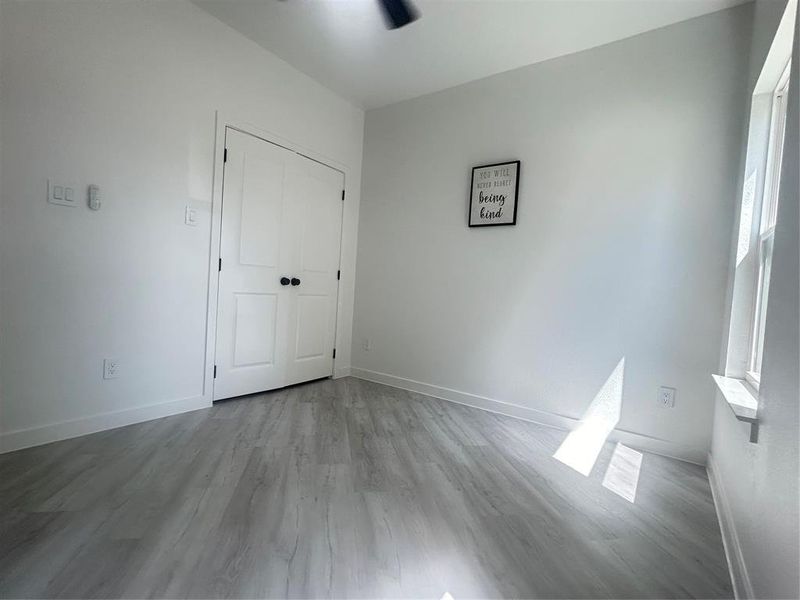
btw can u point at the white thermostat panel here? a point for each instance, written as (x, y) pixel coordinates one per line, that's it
(94, 197)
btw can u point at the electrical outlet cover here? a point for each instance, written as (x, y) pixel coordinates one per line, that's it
(110, 368)
(666, 397)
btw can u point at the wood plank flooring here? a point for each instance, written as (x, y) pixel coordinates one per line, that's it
(346, 489)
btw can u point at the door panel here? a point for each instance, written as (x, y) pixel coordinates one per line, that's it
(256, 327)
(281, 217)
(312, 326)
(254, 308)
(315, 196)
(262, 207)
(319, 216)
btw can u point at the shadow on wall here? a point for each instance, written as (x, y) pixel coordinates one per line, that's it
(582, 446)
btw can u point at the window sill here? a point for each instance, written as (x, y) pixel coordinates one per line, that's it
(742, 399)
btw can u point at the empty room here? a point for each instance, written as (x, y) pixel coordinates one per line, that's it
(443, 299)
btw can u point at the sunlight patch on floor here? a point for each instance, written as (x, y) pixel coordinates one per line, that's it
(622, 474)
(583, 444)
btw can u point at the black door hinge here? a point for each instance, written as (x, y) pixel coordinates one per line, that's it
(338, 275)
(334, 353)
(342, 195)
(215, 371)
(219, 268)
(225, 156)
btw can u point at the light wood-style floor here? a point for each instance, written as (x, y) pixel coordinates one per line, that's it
(346, 489)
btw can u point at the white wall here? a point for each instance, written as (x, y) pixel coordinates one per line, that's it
(630, 158)
(123, 94)
(757, 484)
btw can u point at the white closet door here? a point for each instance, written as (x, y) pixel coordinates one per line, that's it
(281, 230)
(254, 308)
(315, 199)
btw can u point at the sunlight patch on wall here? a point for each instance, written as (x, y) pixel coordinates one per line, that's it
(746, 217)
(581, 447)
(622, 474)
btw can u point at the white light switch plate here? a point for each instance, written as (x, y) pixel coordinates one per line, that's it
(190, 216)
(60, 194)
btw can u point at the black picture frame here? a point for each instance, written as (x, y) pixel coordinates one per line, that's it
(472, 193)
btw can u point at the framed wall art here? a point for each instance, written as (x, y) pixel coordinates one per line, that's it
(494, 193)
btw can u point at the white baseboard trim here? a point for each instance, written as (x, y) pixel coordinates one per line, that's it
(742, 587)
(340, 372)
(654, 445)
(54, 432)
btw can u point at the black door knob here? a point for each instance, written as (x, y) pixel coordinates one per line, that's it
(284, 281)
(295, 281)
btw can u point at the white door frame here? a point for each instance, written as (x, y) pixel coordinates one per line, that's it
(223, 121)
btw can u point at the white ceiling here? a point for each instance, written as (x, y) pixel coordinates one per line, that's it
(344, 44)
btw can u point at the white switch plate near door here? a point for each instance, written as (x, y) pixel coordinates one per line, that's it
(190, 216)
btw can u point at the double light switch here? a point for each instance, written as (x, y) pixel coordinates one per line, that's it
(59, 194)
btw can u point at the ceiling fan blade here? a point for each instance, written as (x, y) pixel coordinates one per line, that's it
(398, 13)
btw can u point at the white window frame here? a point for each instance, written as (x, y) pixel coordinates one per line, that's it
(769, 212)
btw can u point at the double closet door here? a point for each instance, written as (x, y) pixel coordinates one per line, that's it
(278, 280)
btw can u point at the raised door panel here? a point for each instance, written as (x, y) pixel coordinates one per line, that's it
(312, 327)
(255, 329)
(262, 207)
(321, 226)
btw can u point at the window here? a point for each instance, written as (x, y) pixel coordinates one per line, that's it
(769, 212)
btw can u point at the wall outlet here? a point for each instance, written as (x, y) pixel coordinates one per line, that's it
(365, 344)
(110, 368)
(666, 397)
